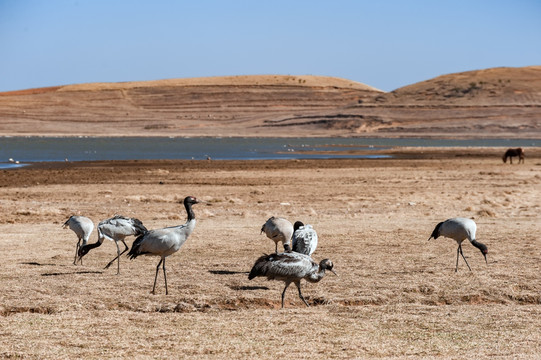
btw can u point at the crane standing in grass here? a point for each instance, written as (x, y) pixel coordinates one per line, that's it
(290, 268)
(82, 227)
(459, 229)
(166, 241)
(278, 230)
(115, 229)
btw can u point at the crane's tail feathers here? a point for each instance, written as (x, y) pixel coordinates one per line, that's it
(252, 275)
(135, 250)
(138, 225)
(132, 254)
(259, 268)
(436, 233)
(66, 223)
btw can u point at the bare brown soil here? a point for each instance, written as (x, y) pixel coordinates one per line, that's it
(396, 296)
(499, 102)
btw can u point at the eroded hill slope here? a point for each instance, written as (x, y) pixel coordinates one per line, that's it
(502, 102)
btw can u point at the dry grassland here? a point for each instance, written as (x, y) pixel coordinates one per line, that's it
(396, 296)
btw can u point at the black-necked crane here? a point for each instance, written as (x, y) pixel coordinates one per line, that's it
(82, 227)
(115, 229)
(278, 230)
(459, 229)
(304, 238)
(166, 241)
(290, 268)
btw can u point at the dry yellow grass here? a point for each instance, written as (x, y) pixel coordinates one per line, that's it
(240, 80)
(397, 295)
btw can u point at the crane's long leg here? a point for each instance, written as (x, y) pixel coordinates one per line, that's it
(76, 252)
(165, 278)
(126, 248)
(276, 248)
(118, 256)
(457, 252)
(284, 293)
(461, 253)
(156, 276)
(298, 283)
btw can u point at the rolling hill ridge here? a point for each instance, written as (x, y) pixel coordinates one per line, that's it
(497, 102)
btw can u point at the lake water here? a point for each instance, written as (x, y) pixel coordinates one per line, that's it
(38, 149)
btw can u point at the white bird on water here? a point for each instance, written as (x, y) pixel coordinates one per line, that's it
(290, 268)
(115, 229)
(166, 241)
(459, 229)
(278, 230)
(304, 238)
(82, 227)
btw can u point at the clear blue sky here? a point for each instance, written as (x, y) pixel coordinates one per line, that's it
(386, 44)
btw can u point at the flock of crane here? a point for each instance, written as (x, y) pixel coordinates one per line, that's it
(291, 266)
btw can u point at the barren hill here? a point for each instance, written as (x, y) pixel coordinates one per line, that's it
(512, 86)
(497, 102)
(504, 102)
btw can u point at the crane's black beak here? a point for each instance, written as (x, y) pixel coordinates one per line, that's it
(334, 272)
(81, 253)
(485, 255)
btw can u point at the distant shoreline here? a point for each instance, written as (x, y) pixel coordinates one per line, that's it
(397, 154)
(259, 136)
(28, 150)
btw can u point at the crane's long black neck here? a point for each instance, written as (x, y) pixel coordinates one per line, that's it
(85, 249)
(89, 247)
(480, 246)
(191, 214)
(94, 245)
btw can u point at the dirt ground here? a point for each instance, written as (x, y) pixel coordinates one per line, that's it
(397, 294)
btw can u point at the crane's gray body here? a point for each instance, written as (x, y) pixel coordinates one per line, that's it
(82, 227)
(459, 229)
(305, 240)
(166, 241)
(115, 229)
(278, 230)
(290, 268)
(119, 227)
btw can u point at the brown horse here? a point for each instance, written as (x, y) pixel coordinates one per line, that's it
(514, 152)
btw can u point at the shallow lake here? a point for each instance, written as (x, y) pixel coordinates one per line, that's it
(37, 149)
